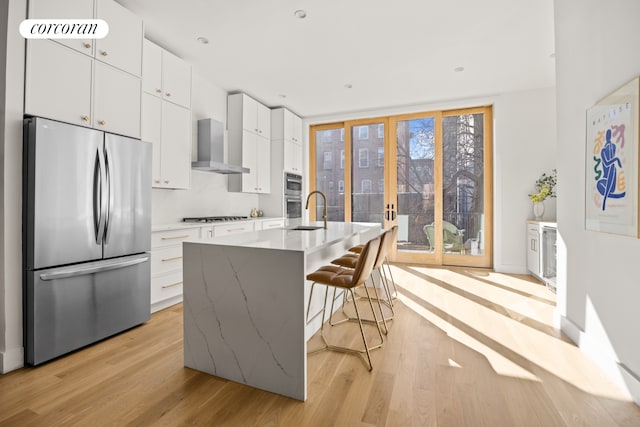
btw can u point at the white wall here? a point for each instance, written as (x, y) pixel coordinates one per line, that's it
(11, 113)
(597, 47)
(208, 194)
(524, 147)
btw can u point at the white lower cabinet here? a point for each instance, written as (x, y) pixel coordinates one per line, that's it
(226, 229)
(541, 251)
(268, 224)
(166, 265)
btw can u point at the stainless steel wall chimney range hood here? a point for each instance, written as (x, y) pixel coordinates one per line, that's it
(211, 149)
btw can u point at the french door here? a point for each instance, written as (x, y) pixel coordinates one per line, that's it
(428, 173)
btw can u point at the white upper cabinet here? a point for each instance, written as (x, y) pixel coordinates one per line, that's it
(165, 75)
(256, 118)
(166, 115)
(175, 162)
(151, 68)
(256, 155)
(93, 83)
(62, 92)
(80, 91)
(66, 9)
(122, 47)
(176, 79)
(286, 125)
(248, 144)
(116, 97)
(168, 128)
(286, 129)
(292, 157)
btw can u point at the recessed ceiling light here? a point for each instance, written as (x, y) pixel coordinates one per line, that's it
(348, 86)
(300, 14)
(203, 40)
(282, 95)
(458, 69)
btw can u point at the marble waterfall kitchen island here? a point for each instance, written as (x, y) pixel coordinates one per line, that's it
(245, 302)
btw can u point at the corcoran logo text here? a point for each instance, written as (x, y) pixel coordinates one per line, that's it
(64, 28)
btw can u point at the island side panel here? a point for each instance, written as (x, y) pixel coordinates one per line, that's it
(244, 316)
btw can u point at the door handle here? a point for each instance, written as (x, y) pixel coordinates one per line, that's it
(98, 194)
(386, 215)
(92, 268)
(109, 195)
(393, 215)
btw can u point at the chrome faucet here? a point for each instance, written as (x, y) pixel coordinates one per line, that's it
(324, 216)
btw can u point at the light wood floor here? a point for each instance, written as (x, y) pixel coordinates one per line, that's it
(468, 347)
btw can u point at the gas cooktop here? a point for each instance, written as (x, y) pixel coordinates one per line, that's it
(214, 219)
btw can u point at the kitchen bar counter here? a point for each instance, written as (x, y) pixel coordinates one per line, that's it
(245, 302)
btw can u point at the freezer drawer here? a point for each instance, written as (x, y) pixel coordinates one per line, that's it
(70, 307)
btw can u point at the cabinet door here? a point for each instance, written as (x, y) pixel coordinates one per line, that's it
(263, 116)
(65, 9)
(151, 132)
(122, 47)
(175, 159)
(233, 228)
(116, 101)
(176, 80)
(249, 180)
(151, 68)
(292, 156)
(296, 129)
(533, 252)
(249, 114)
(58, 83)
(263, 154)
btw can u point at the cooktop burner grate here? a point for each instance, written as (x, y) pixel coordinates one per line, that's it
(214, 219)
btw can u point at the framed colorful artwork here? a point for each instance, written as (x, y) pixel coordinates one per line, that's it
(612, 162)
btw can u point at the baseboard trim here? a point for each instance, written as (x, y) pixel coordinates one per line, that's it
(632, 381)
(11, 360)
(605, 359)
(161, 305)
(510, 269)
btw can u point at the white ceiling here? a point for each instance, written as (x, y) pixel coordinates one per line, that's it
(394, 53)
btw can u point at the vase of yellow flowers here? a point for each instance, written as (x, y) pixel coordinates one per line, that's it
(545, 188)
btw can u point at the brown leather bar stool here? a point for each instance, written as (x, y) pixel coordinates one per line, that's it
(351, 259)
(394, 236)
(348, 280)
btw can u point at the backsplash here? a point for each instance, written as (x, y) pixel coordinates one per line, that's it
(208, 196)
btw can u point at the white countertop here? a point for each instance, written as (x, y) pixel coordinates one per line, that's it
(292, 240)
(182, 225)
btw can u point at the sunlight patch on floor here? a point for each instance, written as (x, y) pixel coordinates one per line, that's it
(454, 364)
(504, 322)
(500, 364)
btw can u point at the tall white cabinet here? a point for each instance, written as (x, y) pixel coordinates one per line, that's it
(286, 137)
(166, 116)
(249, 131)
(92, 83)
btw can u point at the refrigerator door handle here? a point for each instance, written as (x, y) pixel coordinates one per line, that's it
(92, 268)
(109, 194)
(99, 188)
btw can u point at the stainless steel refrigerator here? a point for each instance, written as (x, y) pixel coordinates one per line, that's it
(86, 236)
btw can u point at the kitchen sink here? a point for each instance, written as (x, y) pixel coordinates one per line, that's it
(307, 227)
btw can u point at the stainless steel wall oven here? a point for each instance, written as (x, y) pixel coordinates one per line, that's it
(293, 195)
